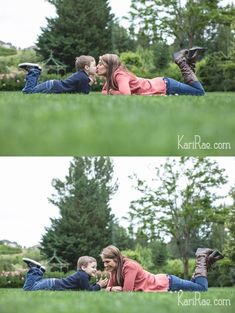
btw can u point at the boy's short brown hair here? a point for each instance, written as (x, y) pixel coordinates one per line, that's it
(84, 260)
(83, 60)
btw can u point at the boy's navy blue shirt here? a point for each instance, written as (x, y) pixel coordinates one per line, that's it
(76, 281)
(77, 82)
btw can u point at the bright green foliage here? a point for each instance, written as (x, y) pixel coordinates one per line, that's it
(84, 227)
(121, 40)
(230, 245)
(7, 51)
(120, 237)
(217, 72)
(4, 249)
(181, 204)
(142, 255)
(81, 27)
(193, 23)
(222, 273)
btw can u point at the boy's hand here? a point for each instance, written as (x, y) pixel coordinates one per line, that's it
(92, 79)
(103, 282)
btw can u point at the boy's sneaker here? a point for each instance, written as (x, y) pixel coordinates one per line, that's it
(28, 66)
(33, 263)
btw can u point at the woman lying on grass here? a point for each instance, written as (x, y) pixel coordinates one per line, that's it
(120, 81)
(128, 275)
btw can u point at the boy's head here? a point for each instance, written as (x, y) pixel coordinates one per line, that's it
(86, 63)
(87, 264)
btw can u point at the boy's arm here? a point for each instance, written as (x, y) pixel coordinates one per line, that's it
(84, 86)
(85, 285)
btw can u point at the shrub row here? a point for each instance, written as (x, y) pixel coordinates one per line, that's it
(15, 279)
(222, 274)
(4, 249)
(216, 72)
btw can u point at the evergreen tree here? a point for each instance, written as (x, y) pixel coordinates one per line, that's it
(81, 27)
(85, 223)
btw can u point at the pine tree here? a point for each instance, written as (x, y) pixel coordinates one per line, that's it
(85, 224)
(81, 27)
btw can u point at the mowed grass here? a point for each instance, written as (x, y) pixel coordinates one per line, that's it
(216, 300)
(43, 124)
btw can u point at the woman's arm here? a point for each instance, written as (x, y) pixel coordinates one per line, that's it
(123, 83)
(129, 273)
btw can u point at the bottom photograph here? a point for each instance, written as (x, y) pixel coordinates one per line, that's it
(115, 226)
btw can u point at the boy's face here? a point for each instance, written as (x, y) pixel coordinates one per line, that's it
(90, 269)
(91, 70)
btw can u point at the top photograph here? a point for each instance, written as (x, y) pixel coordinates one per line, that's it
(117, 78)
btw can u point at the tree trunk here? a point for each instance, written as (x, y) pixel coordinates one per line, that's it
(185, 266)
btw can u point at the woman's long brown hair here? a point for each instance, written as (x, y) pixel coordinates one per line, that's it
(112, 63)
(112, 252)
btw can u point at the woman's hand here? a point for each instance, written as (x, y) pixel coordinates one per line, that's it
(114, 288)
(103, 282)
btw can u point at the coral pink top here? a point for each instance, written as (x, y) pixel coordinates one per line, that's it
(137, 279)
(128, 84)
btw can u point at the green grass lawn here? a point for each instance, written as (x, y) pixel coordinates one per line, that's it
(42, 124)
(216, 300)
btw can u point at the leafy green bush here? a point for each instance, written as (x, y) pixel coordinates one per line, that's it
(6, 264)
(7, 51)
(12, 81)
(175, 267)
(134, 63)
(3, 65)
(10, 279)
(142, 255)
(33, 253)
(4, 249)
(217, 72)
(222, 274)
(15, 279)
(131, 59)
(172, 71)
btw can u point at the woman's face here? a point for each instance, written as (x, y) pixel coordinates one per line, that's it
(109, 264)
(101, 69)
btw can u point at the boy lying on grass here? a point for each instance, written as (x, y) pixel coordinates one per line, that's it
(78, 82)
(86, 268)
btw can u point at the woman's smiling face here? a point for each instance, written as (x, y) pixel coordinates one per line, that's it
(109, 264)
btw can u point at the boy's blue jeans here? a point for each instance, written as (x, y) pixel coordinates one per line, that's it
(196, 284)
(34, 281)
(32, 86)
(175, 87)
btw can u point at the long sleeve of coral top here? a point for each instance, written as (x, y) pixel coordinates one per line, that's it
(129, 84)
(137, 279)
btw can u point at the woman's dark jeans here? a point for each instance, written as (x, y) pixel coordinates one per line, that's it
(174, 87)
(196, 284)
